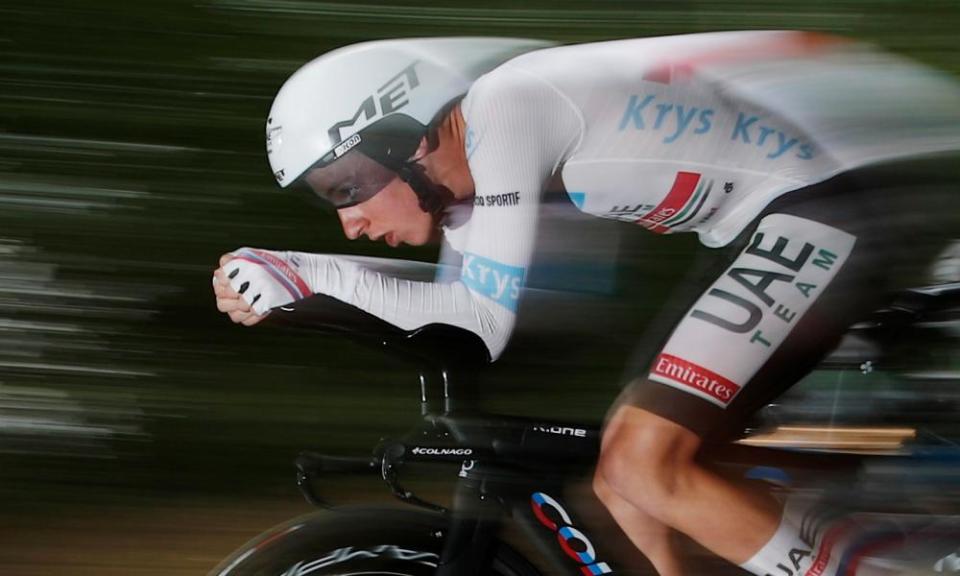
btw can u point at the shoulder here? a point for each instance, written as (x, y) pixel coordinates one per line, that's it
(514, 104)
(507, 84)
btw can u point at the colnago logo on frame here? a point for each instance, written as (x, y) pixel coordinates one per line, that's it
(673, 370)
(428, 451)
(571, 539)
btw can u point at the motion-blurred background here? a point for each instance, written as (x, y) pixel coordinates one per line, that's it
(140, 432)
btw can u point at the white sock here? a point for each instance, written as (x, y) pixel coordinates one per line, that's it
(786, 554)
(805, 544)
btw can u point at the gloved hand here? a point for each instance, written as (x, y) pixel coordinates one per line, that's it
(250, 282)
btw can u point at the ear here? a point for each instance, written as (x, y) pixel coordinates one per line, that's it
(422, 150)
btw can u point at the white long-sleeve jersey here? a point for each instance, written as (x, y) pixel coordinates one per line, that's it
(678, 134)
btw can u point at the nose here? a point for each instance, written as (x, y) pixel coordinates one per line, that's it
(353, 224)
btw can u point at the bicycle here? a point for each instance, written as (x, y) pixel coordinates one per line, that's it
(533, 475)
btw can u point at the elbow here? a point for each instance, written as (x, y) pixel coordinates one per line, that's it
(492, 322)
(496, 338)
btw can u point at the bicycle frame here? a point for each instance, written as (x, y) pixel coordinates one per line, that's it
(553, 506)
(511, 470)
(534, 474)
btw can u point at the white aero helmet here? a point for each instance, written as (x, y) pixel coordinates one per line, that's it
(348, 122)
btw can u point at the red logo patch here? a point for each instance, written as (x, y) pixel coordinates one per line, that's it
(691, 375)
(680, 193)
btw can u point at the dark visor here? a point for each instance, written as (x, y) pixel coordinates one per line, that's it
(351, 179)
(365, 163)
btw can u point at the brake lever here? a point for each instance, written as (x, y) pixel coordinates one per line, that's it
(310, 465)
(391, 460)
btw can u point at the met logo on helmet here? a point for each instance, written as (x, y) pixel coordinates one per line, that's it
(390, 97)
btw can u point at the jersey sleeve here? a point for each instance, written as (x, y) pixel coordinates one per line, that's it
(518, 131)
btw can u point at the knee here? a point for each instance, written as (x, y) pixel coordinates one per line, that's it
(645, 460)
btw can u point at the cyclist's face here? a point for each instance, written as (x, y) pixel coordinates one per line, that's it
(393, 215)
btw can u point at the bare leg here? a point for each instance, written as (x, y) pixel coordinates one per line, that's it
(648, 462)
(653, 538)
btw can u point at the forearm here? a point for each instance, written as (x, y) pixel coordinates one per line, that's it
(278, 278)
(411, 304)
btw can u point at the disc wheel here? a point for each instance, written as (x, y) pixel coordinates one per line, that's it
(357, 542)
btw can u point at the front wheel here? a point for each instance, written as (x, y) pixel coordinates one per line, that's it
(357, 541)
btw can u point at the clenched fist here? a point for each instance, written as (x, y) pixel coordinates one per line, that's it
(250, 282)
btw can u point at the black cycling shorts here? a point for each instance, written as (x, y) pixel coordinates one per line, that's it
(769, 306)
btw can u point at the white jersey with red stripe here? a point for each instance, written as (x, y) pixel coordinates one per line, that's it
(686, 133)
(699, 133)
(693, 133)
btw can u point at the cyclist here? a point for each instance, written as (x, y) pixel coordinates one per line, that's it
(796, 155)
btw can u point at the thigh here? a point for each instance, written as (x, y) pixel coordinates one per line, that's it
(808, 269)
